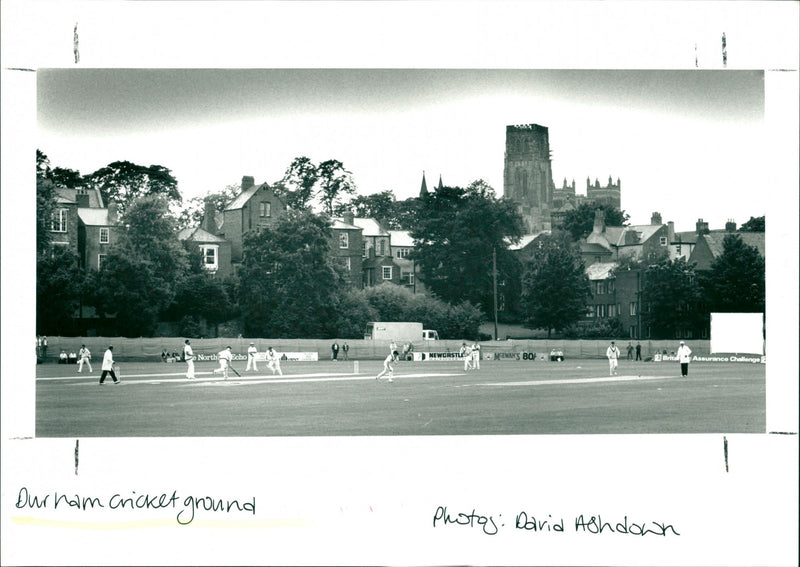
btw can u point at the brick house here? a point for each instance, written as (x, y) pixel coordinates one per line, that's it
(378, 264)
(709, 246)
(257, 206)
(636, 242)
(347, 248)
(84, 224)
(402, 247)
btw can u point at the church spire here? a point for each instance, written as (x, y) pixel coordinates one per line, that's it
(423, 191)
(440, 182)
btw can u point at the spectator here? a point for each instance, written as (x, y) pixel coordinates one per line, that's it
(334, 351)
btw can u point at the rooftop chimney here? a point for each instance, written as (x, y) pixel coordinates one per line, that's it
(701, 227)
(348, 217)
(210, 218)
(656, 219)
(730, 226)
(247, 182)
(82, 198)
(599, 221)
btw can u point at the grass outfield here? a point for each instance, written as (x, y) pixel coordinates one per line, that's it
(329, 398)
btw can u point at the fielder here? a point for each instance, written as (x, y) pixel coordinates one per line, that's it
(251, 358)
(476, 356)
(188, 355)
(612, 353)
(465, 352)
(274, 361)
(225, 358)
(84, 357)
(387, 367)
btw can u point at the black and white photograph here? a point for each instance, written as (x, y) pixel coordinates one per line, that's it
(414, 215)
(408, 306)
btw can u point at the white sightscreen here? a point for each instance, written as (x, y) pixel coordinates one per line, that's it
(737, 333)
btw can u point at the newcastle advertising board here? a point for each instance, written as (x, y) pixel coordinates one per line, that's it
(454, 356)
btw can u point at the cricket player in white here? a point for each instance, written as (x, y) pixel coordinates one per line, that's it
(188, 356)
(387, 367)
(251, 358)
(465, 352)
(225, 357)
(476, 356)
(84, 357)
(393, 350)
(612, 353)
(274, 361)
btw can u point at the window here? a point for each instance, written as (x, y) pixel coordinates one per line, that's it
(402, 252)
(58, 221)
(344, 240)
(365, 249)
(610, 286)
(407, 277)
(590, 312)
(103, 236)
(265, 209)
(382, 248)
(387, 272)
(210, 259)
(600, 310)
(632, 332)
(101, 259)
(633, 308)
(612, 310)
(663, 240)
(601, 288)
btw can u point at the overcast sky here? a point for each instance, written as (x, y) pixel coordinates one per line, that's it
(689, 144)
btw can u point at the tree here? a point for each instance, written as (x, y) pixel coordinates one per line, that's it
(123, 182)
(42, 165)
(297, 185)
(59, 283)
(150, 233)
(335, 183)
(755, 224)
(736, 281)
(390, 301)
(671, 299)
(69, 178)
(455, 234)
(353, 312)
(288, 285)
(555, 287)
(580, 221)
(142, 272)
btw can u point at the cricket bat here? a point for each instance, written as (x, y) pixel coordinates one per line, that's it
(234, 370)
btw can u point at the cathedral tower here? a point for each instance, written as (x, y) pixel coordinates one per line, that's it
(527, 176)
